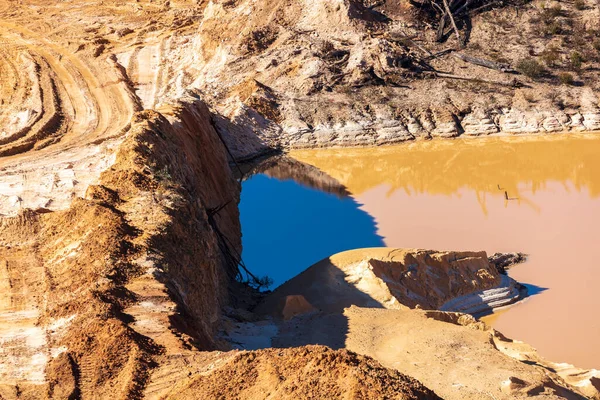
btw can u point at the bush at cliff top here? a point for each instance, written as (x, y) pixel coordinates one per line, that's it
(566, 78)
(530, 67)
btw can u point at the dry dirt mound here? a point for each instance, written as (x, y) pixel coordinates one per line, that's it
(368, 300)
(311, 372)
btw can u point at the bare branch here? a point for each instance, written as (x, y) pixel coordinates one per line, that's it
(511, 83)
(449, 14)
(484, 63)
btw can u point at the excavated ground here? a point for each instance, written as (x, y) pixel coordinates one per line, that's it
(371, 301)
(119, 227)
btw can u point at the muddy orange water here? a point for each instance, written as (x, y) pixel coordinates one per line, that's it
(451, 195)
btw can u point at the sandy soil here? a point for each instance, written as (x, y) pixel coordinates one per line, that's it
(307, 372)
(118, 220)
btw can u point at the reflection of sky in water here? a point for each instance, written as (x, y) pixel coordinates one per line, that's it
(287, 227)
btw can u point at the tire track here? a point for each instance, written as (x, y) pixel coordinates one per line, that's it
(87, 103)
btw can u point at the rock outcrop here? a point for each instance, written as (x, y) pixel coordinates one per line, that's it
(507, 292)
(397, 278)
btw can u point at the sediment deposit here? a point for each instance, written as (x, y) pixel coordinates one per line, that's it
(119, 227)
(371, 301)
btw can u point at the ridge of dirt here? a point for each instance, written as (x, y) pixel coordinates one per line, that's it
(141, 222)
(304, 372)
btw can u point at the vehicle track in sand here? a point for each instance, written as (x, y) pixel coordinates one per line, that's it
(75, 107)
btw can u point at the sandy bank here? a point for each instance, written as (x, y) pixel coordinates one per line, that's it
(395, 279)
(368, 301)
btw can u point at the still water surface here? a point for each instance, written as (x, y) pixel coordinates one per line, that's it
(451, 195)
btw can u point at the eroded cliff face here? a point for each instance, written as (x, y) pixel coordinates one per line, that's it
(92, 290)
(350, 72)
(390, 278)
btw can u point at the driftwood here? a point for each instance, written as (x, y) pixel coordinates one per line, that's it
(441, 28)
(484, 63)
(464, 7)
(400, 38)
(418, 46)
(439, 54)
(467, 11)
(512, 83)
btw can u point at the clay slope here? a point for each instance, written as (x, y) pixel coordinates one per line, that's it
(119, 228)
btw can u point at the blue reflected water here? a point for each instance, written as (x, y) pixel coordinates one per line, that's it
(287, 227)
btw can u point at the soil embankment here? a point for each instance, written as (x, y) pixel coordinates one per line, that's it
(96, 290)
